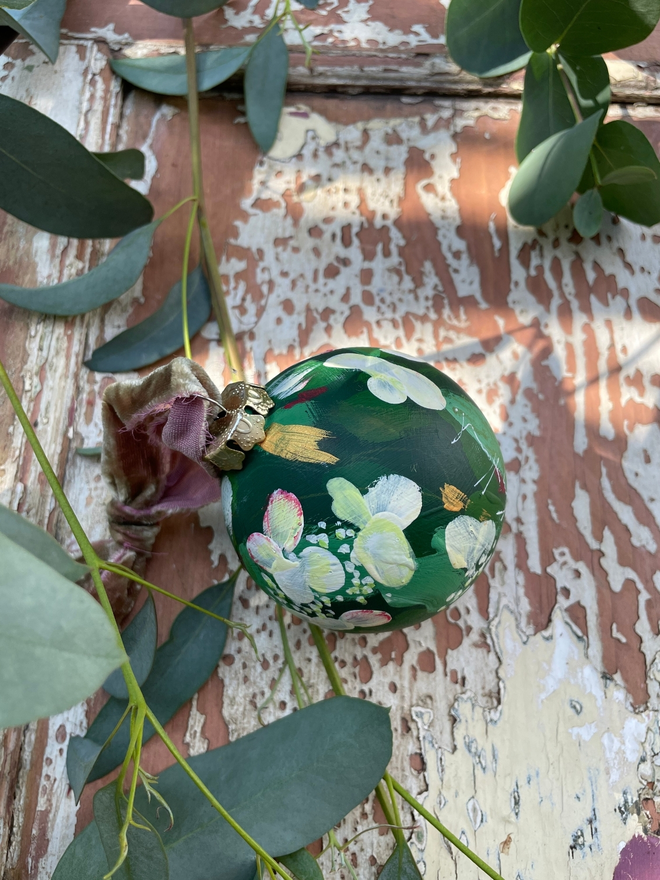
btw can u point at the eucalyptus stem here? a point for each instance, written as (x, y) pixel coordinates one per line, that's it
(187, 769)
(326, 659)
(127, 573)
(446, 833)
(184, 280)
(220, 309)
(289, 661)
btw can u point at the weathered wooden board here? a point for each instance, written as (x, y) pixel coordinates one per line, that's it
(526, 716)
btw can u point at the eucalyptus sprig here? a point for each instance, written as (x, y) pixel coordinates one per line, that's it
(563, 144)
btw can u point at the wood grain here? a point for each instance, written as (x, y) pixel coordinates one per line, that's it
(527, 715)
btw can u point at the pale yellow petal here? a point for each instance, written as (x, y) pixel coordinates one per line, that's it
(347, 502)
(383, 550)
(396, 498)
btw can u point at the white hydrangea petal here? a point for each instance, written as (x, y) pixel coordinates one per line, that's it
(468, 541)
(265, 552)
(420, 388)
(294, 381)
(294, 585)
(322, 571)
(386, 388)
(351, 361)
(365, 617)
(383, 550)
(347, 502)
(395, 498)
(226, 496)
(284, 520)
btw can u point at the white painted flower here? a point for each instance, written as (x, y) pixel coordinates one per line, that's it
(351, 619)
(391, 504)
(390, 382)
(296, 575)
(469, 542)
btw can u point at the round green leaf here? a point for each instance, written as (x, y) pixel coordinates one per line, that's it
(39, 543)
(116, 274)
(146, 859)
(185, 8)
(549, 175)
(39, 23)
(588, 213)
(483, 36)
(181, 666)
(158, 335)
(590, 81)
(265, 86)
(309, 4)
(166, 74)
(546, 108)
(52, 182)
(139, 638)
(124, 163)
(81, 755)
(629, 174)
(619, 145)
(16, 4)
(587, 27)
(56, 644)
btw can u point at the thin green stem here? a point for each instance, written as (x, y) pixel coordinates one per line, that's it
(398, 833)
(187, 769)
(326, 659)
(446, 833)
(184, 280)
(288, 658)
(227, 336)
(177, 206)
(134, 752)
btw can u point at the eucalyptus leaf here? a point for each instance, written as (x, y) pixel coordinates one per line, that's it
(629, 174)
(140, 638)
(181, 666)
(81, 755)
(309, 4)
(39, 23)
(549, 175)
(158, 335)
(56, 643)
(400, 866)
(265, 86)
(483, 36)
(620, 145)
(587, 27)
(590, 81)
(124, 163)
(119, 271)
(39, 543)
(302, 865)
(285, 784)
(546, 108)
(146, 859)
(588, 213)
(166, 74)
(49, 180)
(185, 8)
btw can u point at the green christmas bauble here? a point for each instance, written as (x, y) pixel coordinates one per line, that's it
(377, 496)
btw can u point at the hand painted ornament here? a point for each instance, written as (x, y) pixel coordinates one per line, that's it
(377, 496)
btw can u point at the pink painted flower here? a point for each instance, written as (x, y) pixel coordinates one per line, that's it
(298, 576)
